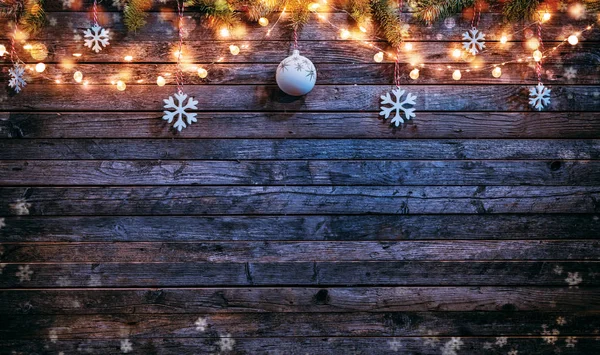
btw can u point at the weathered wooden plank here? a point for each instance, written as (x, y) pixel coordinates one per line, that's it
(270, 98)
(399, 273)
(163, 26)
(300, 149)
(274, 51)
(312, 172)
(284, 299)
(579, 125)
(203, 200)
(302, 228)
(298, 324)
(432, 345)
(241, 252)
(329, 74)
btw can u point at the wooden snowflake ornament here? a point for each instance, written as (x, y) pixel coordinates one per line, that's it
(473, 41)
(95, 38)
(180, 110)
(539, 96)
(405, 106)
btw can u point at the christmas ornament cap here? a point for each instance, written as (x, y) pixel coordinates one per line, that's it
(296, 75)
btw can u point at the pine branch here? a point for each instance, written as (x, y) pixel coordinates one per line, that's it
(260, 8)
(391, 26)
(360, 11)
(134, 14)
(220, 13)
(300, 14)
(430, 11)
(515, 10)
(34, 17)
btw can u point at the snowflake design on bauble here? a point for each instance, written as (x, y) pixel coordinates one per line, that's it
(474, 41)
(397, 106)
(180, 108)
(96, 38)
(17, 77)
(539, 96)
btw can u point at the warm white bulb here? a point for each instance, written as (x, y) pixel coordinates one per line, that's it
(40, 67)
(224, 32)
(408, 46)
(344, 34)
(128, 58)
(78, 76)
(414, 74)
(456, 53)
(546, 16)
(202, 73)
(456, 75)
(378, 57)
(573, 40)
(313, 6)
(503, 39)
(235, 50)
(537, 55)
(497, 72)
(121, 85)
(263, 21)
(2, 50)
(160, 81)
(362, 29)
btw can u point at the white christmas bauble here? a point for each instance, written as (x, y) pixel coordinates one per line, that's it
(296, 75)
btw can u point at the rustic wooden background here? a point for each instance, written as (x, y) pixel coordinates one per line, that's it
(299, 225)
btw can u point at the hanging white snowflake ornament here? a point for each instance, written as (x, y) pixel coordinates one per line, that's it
(17, 77)
(96, 38)
(405, 106)
(539, 96)
(474, 41)
(180, 110)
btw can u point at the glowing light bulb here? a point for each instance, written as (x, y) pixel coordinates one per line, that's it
(78, 76)
(202, 73)
(456, 53)
(537, 55)
(128, 58)
(160, 81)
(497, 72)
(76, 55)
(503, 39)
(224, 32)
(456, 75)
(235, 50)
(546, 16)
(313, 6)
(344, 34)
(573, 40)
(40, 67)
(408, 46)
(27, 47)
(362, 29)
(263, 21)
(378, 57)
(2, 50)
(414, 74)
(121, 85)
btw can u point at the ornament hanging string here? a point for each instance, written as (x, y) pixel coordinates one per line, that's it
(14, 57)
(476, 14)
(95, 13)
(538, 64)
(397, 74)
(179, 75)
(295, 37)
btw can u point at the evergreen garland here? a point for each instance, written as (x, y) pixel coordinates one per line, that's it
(134, 14)
(360, 11)
(515, 10)
(29, 13)
(387, 17)
(430, 11)
(299, 13)
(220, 13)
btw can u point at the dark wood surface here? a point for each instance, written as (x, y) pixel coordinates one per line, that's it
(300, 225)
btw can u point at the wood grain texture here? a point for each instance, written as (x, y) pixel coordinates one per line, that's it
(311, 172)
(439, 125)
(298, 299)
(399, 273)
(304, 149)
(302, 228)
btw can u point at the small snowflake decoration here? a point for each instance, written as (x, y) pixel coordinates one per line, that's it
(570, 73)
(226, 342)
(201, 324)
(24, 273)
(17, 77)
(571, 341)
(501, 341)
(573, 279)
(474, 41)
(126, 346)
(539, 96)
(96, 38)
(398, 106)
(180, 110)
(395, 344)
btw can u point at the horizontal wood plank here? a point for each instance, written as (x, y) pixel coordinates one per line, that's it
(399, 273)
(300, 149)
(430, 345)
(579, 125)
(298, 324)
(220, 252)
(301, 228)
(313, 172)
(322, 98)
(285, 299)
